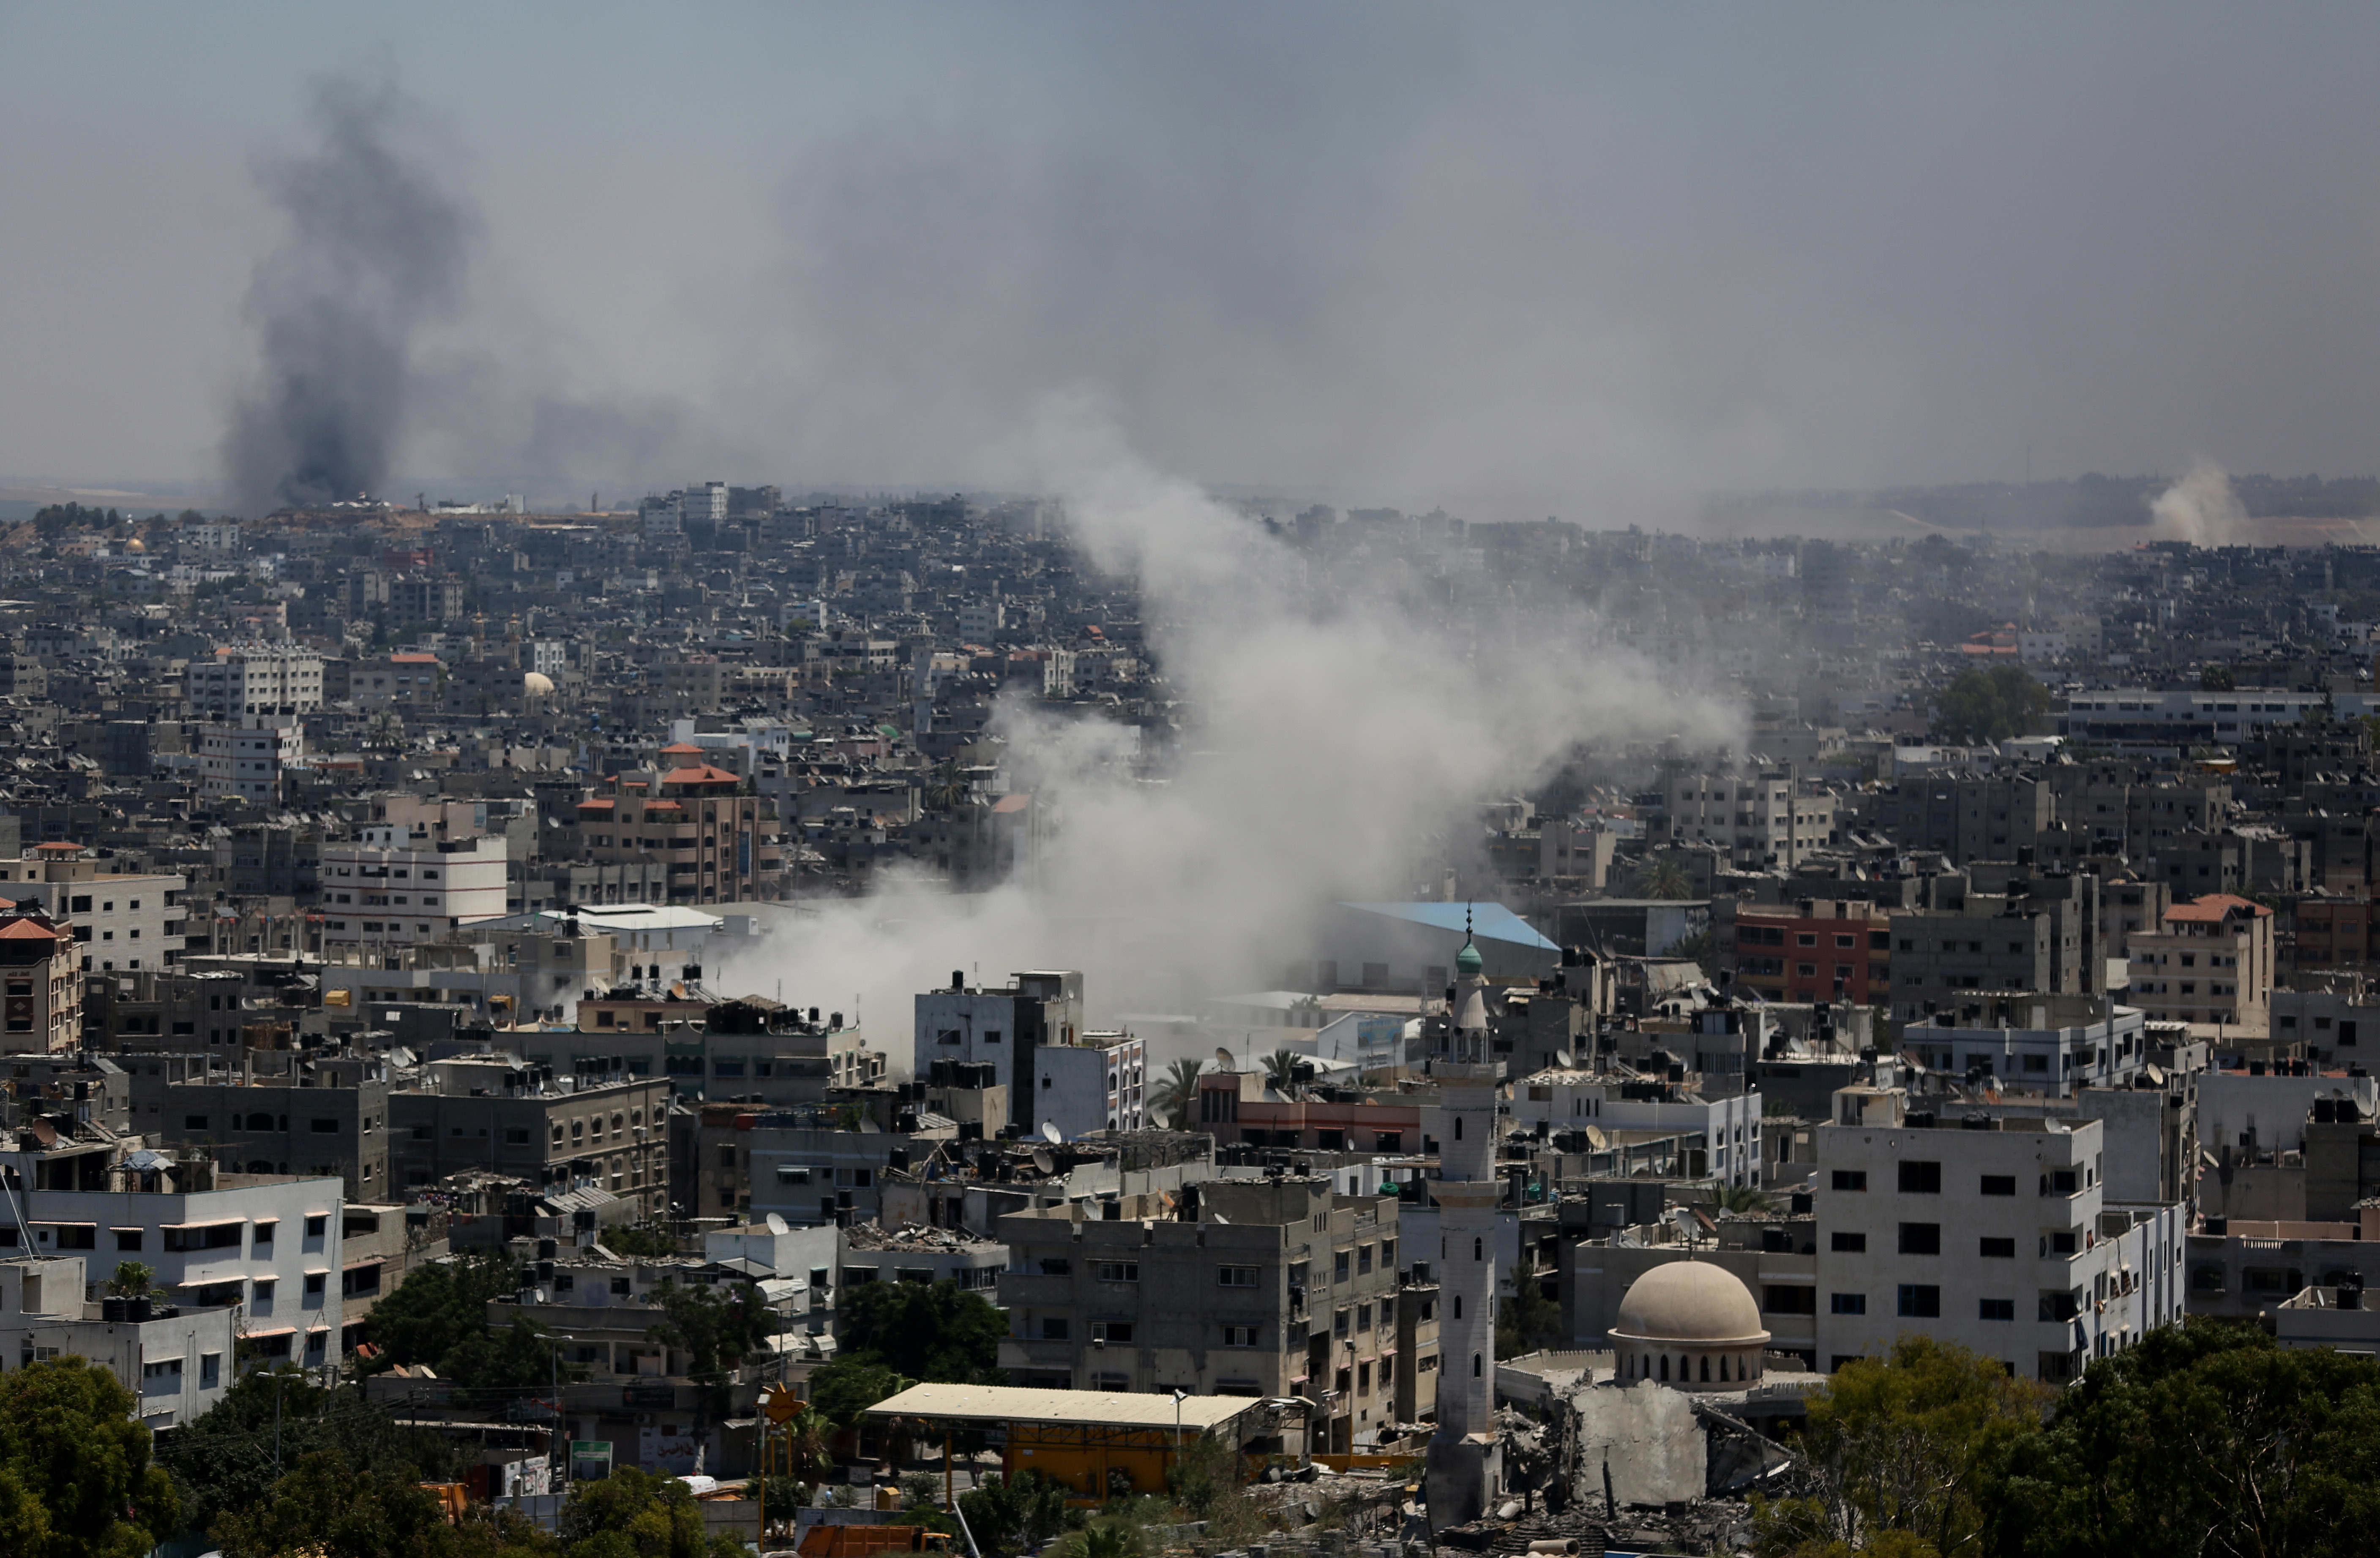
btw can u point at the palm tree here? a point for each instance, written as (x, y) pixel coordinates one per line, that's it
(1742, 1198)
(1663, 876)
(1177, 1093)
(1280, 1069)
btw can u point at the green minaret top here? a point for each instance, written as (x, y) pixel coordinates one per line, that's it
(1467, 961)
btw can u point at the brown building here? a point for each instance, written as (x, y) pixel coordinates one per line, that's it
(42, 972)
(717, 845)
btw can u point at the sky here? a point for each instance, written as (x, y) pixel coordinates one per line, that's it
(1522, 260)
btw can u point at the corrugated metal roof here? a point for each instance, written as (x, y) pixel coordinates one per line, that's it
(1490, 919)
(1095, 1409)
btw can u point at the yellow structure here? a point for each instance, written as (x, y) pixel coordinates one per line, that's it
(1093, 1441)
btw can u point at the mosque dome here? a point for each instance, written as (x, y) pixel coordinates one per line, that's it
(1689, 1322)
(1468, 961)
(136, 545)
(537, 682)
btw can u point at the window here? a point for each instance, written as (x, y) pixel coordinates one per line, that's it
(325, 1127)
(314, 1282)
(316, 1224)
(1920, 1239)
(1781, 1298)
(210, 1370)
(1849, 1303)
(1999, 1184)
(1363, 1317)
(1339, 1322)
(1362, 1259)
(1057, 1265)
(1339, 1267)
(1851, 1244)
(1920, 1301)
(1119, 1271)
(2061, 1243)
(1921, 1179)
(516, 1137)
(194, 1122)
(1997, 1249)
(2058, 1182)
(1850, 1179)
(1235, 1276)
(128, 1239)
(1118, 1331)
(1996, 1309)
(1239, 1336)
(1053, 1329)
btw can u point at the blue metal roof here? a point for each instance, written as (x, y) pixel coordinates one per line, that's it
(1490, 919)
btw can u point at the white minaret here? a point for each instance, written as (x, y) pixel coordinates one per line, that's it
(1464, 1468)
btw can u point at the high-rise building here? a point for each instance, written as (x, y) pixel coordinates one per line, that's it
(1464, 1468)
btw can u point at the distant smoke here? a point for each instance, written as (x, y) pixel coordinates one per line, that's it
(1339, 730)
(376, 249)
(2201, 508)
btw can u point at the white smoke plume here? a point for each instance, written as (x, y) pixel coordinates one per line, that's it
(2201, 508)
(1336, 731)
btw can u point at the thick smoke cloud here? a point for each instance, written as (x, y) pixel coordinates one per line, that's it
(1339, 728)
(377, 250)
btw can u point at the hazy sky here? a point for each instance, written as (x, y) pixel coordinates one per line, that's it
(1549, 260)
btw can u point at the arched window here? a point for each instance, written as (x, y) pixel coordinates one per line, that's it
(1474, 1365)
(1458, 1305)
(260, 1122)
(1723, 1371)
(1706, 1379)
(1664, 1367)
(1476, 1247)
(1458, 1128)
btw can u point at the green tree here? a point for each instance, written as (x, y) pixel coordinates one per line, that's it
(633, 1515)
(333, 1507)
(439, 1306)
(843, 1390)
(2203, 1438)
(1526, 1323)
(225, 1459)
(1176, 1094)
(1742, 1198)
(1980, 706)
(76, 1480)
(1700, 948)
(715, 1333)
(131, 1280)
(1280, 1069)
(1663, 876)
(937, 1332)
(1008, 1514)
(515, 1356)
(1906, 1443)
(1205, 1473)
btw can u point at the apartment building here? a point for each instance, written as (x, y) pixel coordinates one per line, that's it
(2127, 906)
(1728, 1128)
(119, 920)
(246, 680)
(405, 683)
(996, 1026)
(41, 1010)
(325, 1118)
(2055, 1046)
(717, 845)
(267, 1244)
(1766, 817)
(1970, 816)
(177, 1359)
(247, 759)
(553, 1130)
(1814, 949)
(2210, 961)
(1096, 1083)
(1991, 1230)
(801, 1164)
(1239, 1287)
(386, 886)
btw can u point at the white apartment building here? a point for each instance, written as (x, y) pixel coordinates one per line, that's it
(2053, 1059)
(175, 1359)
(120, 920)
(2185, 715)
(1997, 1238)
(1095, 1083)
(1758, 817)
(247, 759)
(1562, 1100)
(267, 1246)
(247, 678)
(385, 886)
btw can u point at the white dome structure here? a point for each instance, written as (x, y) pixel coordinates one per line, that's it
(1688, 1324)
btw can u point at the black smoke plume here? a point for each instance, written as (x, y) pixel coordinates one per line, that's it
(377, 247)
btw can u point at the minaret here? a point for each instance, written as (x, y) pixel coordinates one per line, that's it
(1464, 1469)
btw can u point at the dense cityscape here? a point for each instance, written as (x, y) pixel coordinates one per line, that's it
(1056, 780)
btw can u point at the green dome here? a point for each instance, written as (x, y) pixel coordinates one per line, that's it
(1468, 961)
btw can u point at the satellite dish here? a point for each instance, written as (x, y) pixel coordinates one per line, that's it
(1562, 1058)
(1050, 1133)
(1222, 1058)
(1043, 1161)
(776, 1223)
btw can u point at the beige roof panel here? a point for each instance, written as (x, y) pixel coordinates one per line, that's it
(1016, 1404)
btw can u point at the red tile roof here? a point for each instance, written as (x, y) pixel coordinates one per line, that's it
(2215, 906)
(702, 773)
